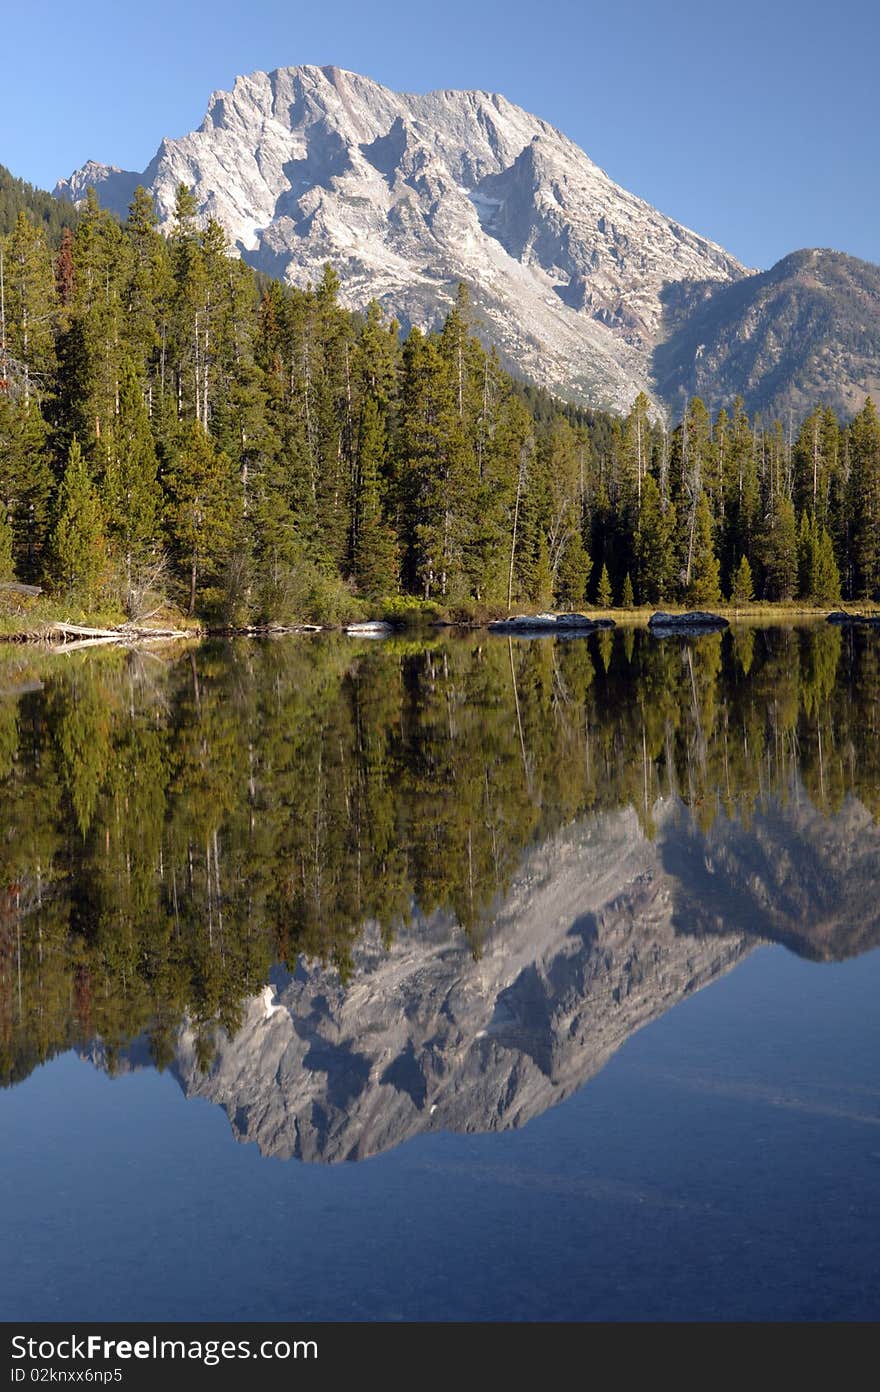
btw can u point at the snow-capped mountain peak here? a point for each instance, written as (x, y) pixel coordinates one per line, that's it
(408, 194)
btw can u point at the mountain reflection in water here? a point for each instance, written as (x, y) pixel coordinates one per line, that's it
(470, 869)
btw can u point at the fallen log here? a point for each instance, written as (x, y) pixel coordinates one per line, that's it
(77, 635)
(78, 631)
(15, 587)
(25, 688)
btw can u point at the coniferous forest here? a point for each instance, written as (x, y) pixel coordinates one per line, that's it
(175, 428)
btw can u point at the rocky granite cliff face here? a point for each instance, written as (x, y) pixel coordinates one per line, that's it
(406, 195)
(583, 287)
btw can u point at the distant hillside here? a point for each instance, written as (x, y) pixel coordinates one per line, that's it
(54, 213)
(806, 331)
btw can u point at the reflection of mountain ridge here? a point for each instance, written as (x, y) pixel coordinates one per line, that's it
(583, 953)
(603, 931)
(792, 875)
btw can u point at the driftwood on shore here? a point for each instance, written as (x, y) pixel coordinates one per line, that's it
(15, 587)
(72, 637)
(23, 688)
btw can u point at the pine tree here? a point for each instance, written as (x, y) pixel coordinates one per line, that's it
(780, 551)
(635, 458)
(147, 293)
(696, 472)
(438, 467)
(742, 591)
(27, 342)
(604, 597)
(132, 495)
(819, 577)
(704, 587)
(572, 573)
(25, 481)
(375, 550)
(864, 502)
(627, 599)
(204, 506)
(654, 551)
(77, 543)
(826, 575)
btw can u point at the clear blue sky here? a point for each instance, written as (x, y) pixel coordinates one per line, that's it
(754, 123)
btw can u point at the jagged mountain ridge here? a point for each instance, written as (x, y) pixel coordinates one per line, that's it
(408, 194)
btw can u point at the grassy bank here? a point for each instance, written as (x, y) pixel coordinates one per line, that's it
(33, 620)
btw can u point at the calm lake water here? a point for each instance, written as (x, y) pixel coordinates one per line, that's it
(537, 980)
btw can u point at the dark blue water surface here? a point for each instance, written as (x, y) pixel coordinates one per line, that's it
(724, 1165)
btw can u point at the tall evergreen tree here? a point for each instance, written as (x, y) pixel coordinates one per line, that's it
(654, 546)
(204, 506)
(864, 445)
(26, 482)
(132, 496)
(28, 312)
(77, 543)
(7, 561)
(819, 577)
(375, 550)
(780, 552)
(704, 586)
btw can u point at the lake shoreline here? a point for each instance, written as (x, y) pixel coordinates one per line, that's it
(68, 636)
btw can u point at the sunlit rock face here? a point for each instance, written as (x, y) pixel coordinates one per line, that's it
(406, 195)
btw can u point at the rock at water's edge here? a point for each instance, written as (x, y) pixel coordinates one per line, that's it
(531, 624)
(844, 620)
(696, 621)
(373, 628)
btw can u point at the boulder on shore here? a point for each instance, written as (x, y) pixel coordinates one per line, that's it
(534, 625)
(695, 621)
(844, 620)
